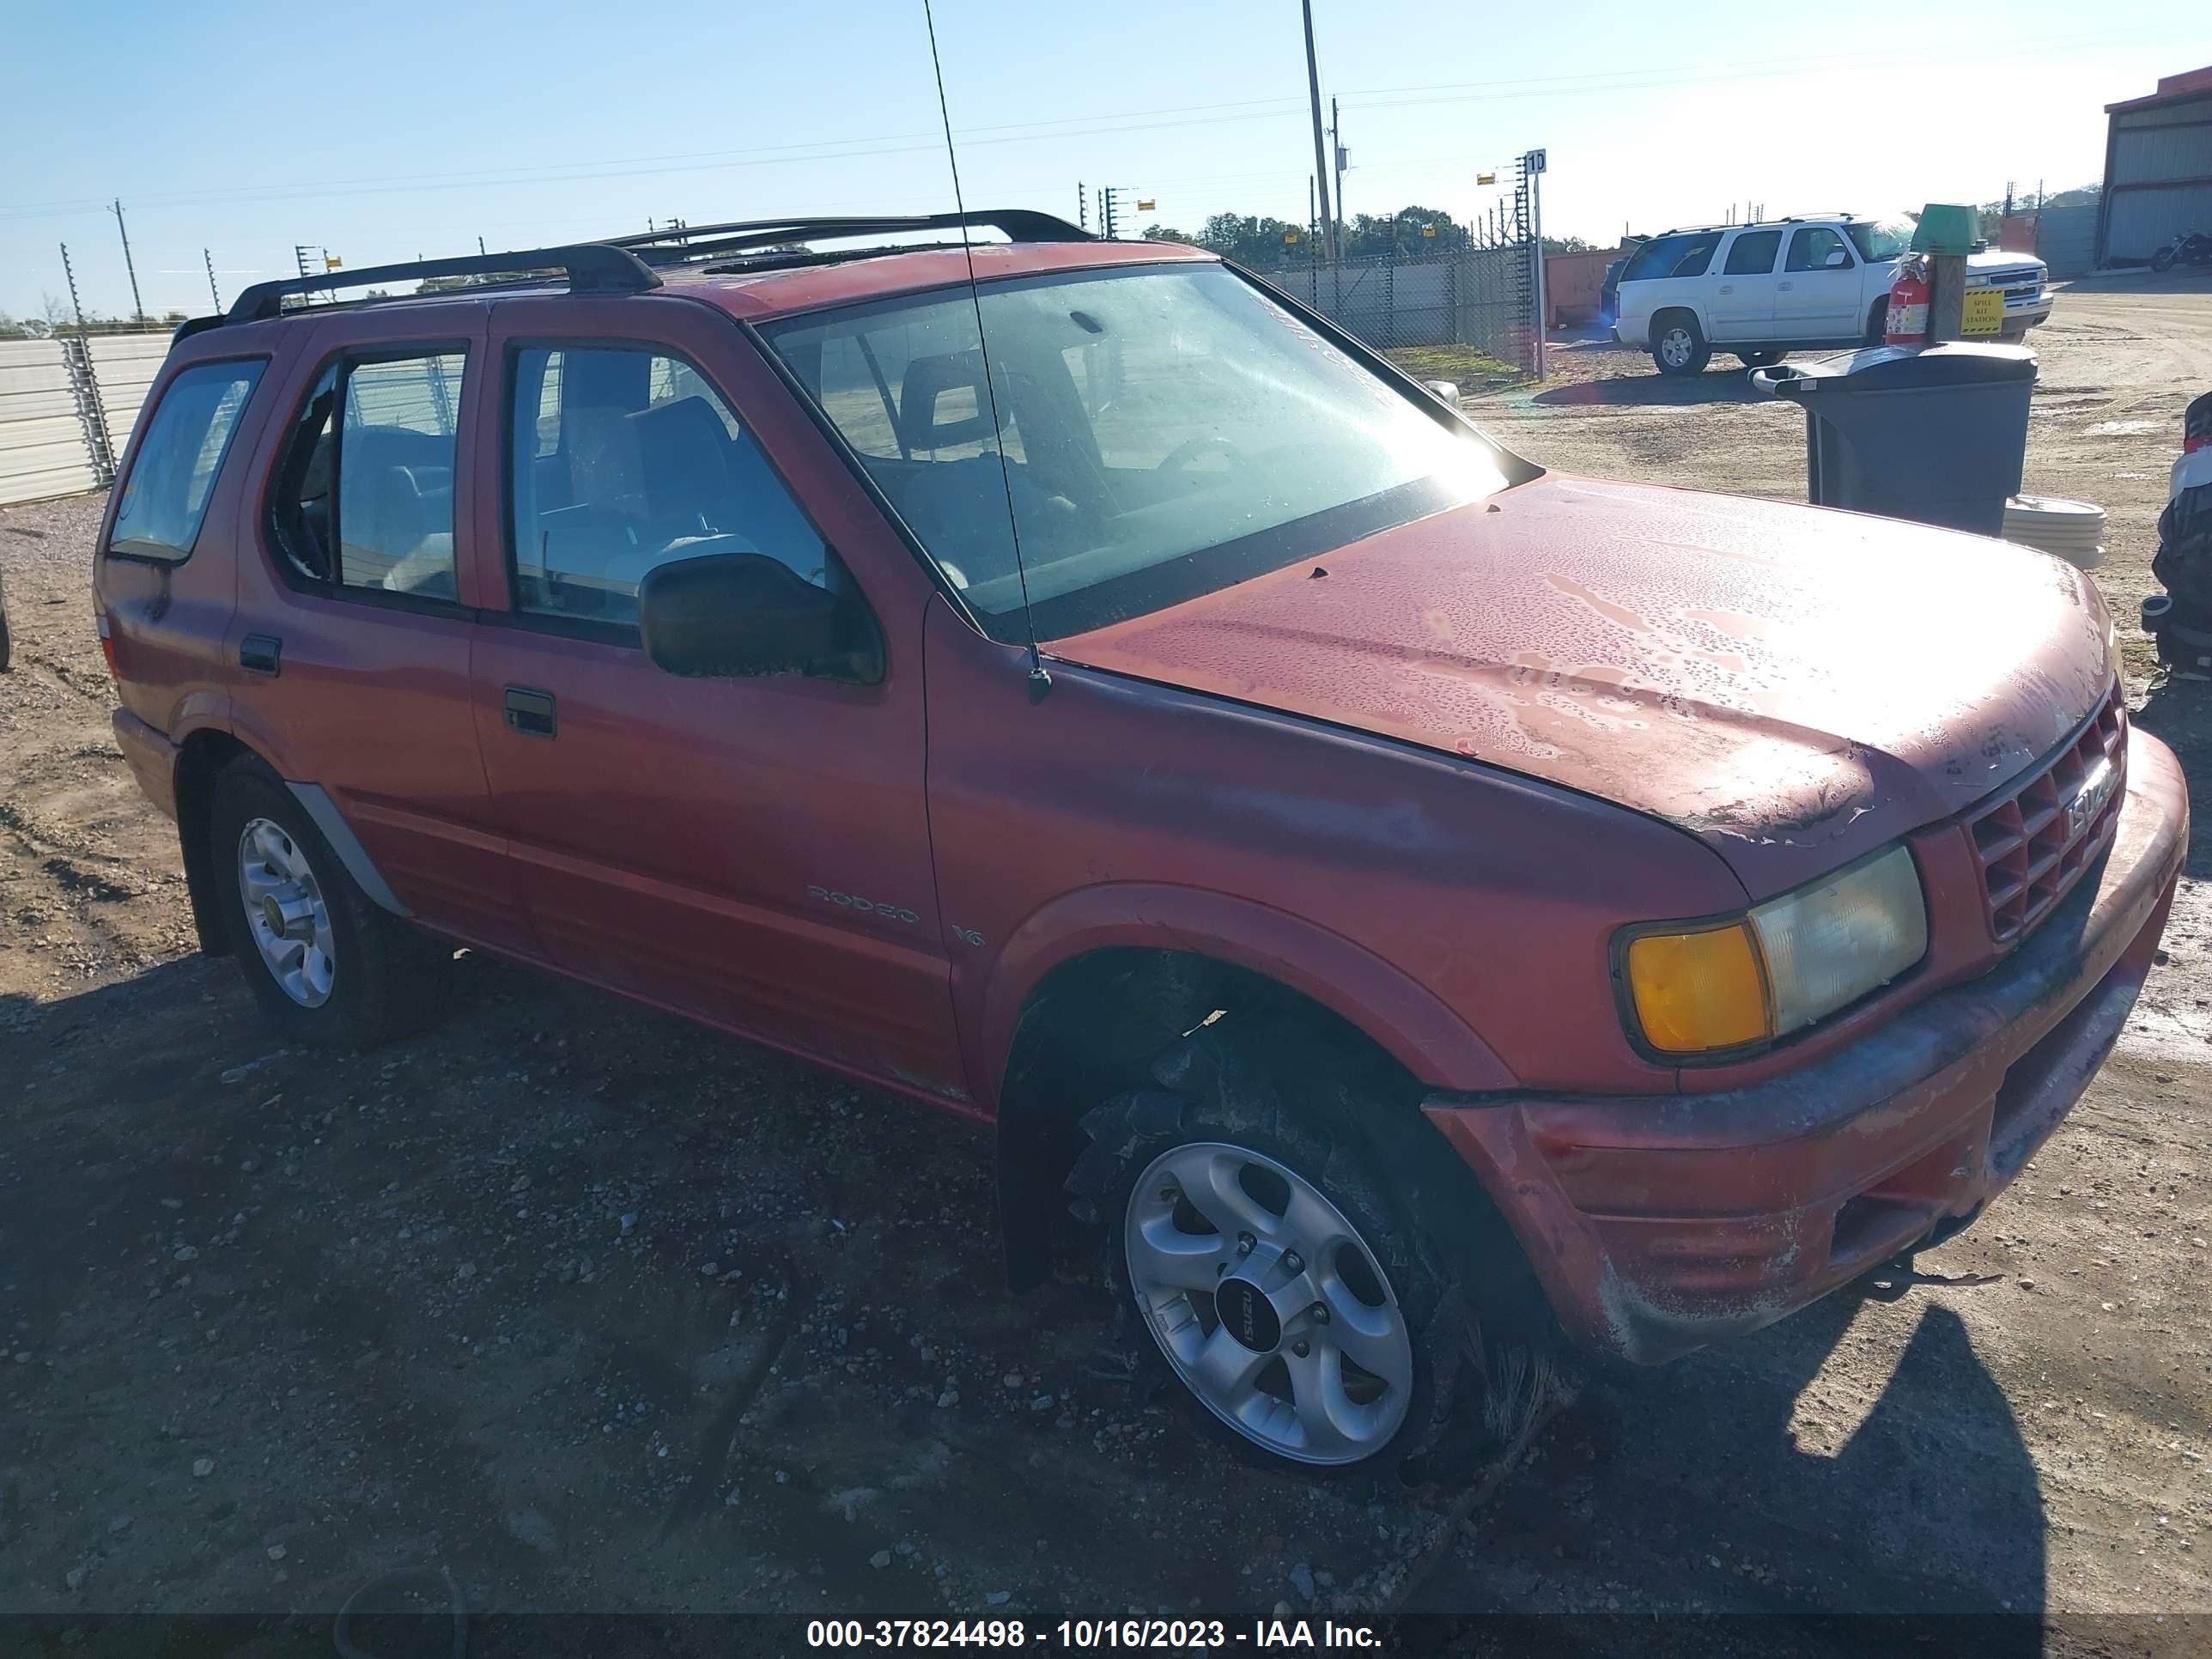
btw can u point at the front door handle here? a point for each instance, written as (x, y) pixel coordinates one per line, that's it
(1785, 287)
(529, 713)
(260, 654)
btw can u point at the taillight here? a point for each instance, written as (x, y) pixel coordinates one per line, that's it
(106, 642)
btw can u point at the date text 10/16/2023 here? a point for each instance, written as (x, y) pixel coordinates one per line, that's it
(1080, 1635)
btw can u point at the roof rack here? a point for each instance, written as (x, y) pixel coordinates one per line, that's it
(591, 268)
(700, 241)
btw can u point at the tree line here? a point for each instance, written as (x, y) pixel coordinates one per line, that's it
(1265, 243)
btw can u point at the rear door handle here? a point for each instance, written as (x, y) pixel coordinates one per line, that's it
(260, 654)
(1785, 287)
(530, 713)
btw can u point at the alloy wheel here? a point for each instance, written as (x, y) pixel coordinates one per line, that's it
(285, 912)
(1267, 1303)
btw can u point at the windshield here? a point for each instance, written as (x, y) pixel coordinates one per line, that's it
(1169, 430)
(1880, 239)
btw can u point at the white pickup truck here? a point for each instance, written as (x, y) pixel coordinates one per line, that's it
(1816, 282)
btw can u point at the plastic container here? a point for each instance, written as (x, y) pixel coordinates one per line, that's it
(1938, 436)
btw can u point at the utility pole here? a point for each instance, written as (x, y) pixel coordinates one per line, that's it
(1336, 144)
(137, 309)
(300, 252)
(1320, 155)
(213, 294)
(480, 246)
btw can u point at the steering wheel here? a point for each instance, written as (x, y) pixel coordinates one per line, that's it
(1191, 448)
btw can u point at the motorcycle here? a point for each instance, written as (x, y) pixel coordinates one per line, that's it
(2190, 247)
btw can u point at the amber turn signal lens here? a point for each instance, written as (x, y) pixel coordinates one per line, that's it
(1701, 991)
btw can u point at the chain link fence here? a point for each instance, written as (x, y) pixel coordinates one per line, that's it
(1482, 298)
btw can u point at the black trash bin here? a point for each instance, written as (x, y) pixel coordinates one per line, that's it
(1938, 436)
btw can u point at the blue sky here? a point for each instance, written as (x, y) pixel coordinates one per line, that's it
(392, 129)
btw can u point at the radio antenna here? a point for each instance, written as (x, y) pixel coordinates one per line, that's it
(1040, 681)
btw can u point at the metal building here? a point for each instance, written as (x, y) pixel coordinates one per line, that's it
(2158, 169)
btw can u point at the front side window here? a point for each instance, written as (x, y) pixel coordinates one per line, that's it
(1812, 248)
(1880, 239)
(1168, 429)
(364, 497)
(627, 459)
(166, 495)
(1752, 253)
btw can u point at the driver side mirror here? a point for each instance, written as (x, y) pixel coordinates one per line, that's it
(729, 616)
(1445, 392)
(1838, 259)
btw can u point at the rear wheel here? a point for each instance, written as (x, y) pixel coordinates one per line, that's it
(327, 966)
(2162, 260)
(1678, 344)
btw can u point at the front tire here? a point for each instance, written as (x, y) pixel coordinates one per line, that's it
(1271, 1232)
(1679, 345)
(329, 968)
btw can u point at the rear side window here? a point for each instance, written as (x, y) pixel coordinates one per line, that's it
(623, 459)
(365, 496)
(1689, 253)
(166, 495)
(1752, 253)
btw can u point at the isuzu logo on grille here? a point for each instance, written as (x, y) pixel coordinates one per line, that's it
(2089, 799)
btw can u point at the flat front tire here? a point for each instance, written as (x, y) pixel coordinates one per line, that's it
(329, 968)
(1267, 1237)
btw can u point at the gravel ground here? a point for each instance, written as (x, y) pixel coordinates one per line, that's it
(600, 1312)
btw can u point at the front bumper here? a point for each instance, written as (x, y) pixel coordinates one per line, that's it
(1660, 1224)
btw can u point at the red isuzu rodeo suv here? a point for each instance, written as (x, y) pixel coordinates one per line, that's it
(1390, 896)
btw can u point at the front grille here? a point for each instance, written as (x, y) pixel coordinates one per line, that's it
(2030, 854)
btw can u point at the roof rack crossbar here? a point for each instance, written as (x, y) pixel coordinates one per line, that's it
(591, 268)
(1019, 224)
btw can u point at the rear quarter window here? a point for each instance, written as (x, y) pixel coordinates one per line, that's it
(1688, 254)
(188, 434)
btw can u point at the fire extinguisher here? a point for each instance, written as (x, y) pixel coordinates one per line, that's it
(1908, 306)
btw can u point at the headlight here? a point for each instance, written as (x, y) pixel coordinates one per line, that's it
(1713, 986)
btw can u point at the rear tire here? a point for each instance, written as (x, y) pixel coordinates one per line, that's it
(330, 969)
(1219, 1177)
(2162, 261)
(1678, 344)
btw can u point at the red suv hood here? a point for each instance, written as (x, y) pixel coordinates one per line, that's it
(1794, 686)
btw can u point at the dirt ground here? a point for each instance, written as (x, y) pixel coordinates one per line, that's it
(599, 1312)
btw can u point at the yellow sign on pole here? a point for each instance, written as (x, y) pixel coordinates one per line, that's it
(333, 263)
(1485, 178)
(1428, 230)
(1290, 236)
(1144, 207)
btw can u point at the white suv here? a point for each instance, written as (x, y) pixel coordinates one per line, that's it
(1816, 281)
